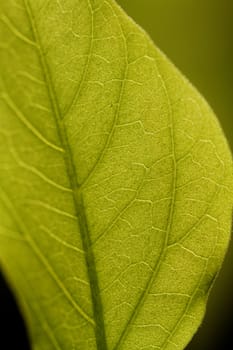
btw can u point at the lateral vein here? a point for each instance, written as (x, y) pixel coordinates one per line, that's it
(157, 267)
(26, 122)
(39, 254)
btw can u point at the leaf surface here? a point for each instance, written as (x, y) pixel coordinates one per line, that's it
(115, 181)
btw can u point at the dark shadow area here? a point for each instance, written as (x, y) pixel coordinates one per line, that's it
(13, 334)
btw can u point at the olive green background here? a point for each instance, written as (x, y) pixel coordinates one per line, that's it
(197, 35)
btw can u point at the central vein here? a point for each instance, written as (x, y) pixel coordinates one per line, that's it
(76, 192)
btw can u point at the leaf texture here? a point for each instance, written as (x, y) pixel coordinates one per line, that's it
(115, 181)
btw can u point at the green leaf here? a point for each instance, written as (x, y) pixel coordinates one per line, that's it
(115, 181)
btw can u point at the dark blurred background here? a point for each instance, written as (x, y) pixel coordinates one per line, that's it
(197, 35)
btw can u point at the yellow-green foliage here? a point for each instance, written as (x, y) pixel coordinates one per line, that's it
(115, 181)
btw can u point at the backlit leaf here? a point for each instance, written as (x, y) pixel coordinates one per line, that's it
(115, 181)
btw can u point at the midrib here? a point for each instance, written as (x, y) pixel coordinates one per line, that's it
(76, 191)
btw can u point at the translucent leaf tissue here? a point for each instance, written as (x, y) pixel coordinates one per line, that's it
(115, 181)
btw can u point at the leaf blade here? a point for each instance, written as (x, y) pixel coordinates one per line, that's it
(139, 146)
